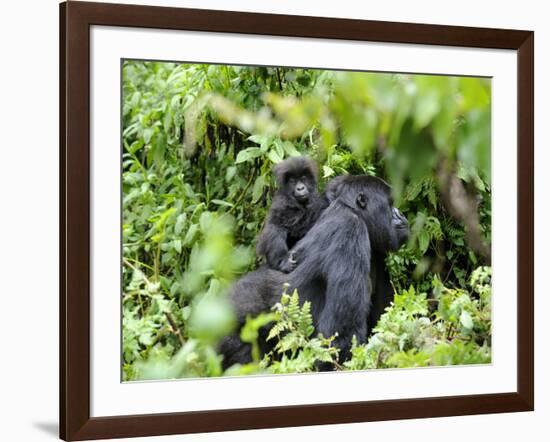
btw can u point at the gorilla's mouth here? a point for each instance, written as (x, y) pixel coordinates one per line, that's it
(301, 198)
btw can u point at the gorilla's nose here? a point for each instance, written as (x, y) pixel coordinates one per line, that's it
(399, 219)
(300, 188)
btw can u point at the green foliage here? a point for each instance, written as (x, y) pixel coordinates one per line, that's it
(296, 351)
(158, 325)
(199, 143)
(409, 334)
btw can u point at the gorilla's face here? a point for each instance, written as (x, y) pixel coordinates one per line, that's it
(300, 187)
(370, 197)
(401, 226)
(296, 178)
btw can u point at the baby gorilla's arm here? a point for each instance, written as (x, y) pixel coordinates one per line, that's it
(297, 254)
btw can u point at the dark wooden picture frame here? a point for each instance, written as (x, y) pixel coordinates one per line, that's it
(75, 21)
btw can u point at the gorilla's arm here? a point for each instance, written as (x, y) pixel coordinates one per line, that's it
(272, 244)
(337, 251)
(347, 305)
(382, 291)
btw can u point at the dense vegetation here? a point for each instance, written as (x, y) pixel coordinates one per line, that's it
(199, 142)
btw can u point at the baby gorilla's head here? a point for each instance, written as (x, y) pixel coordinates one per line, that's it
(297, 178)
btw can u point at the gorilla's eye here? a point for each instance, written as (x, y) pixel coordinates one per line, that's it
(361, 200)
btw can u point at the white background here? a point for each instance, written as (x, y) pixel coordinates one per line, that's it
(29, 183)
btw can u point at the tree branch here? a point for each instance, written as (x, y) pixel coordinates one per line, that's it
(175, 328)
(463, 207)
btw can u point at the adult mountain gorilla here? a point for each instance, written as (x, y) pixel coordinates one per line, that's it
(333, 266)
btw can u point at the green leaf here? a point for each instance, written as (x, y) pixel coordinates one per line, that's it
(423, 241)
(180, 223)
(248, 154)
(135, 146)
(222, 203)
(147, 135)
(327, 172)
(258, 189)
(258, 139)
(186, 312)
(191, 234)
(466, 320)
(290, 149)
(159, 146)
(230, 173)
(205, 221)
(274, 156)
(278, 146)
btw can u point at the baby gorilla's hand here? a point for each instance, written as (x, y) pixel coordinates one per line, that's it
(288, 264)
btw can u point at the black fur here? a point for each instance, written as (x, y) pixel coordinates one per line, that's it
(382, 289)
(334, 269)
(295, 208)
(381, 213)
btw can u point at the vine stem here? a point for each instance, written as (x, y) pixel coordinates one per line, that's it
(147, 266)
(243, 192)
(337, 365)
(133, 267)
(175, 328)
(129, 264)
(279, 79)
(157, 263)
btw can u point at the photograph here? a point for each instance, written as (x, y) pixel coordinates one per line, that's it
(291, 220)
(237, 221)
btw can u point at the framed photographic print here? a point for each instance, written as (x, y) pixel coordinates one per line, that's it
(275, 220)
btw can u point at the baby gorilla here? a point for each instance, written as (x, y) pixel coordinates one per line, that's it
(295, 208)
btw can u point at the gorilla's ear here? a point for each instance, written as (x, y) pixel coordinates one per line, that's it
(334, 187)
(361, 200)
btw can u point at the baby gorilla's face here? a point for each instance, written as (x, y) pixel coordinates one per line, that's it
(297, 179)
(300, 186)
